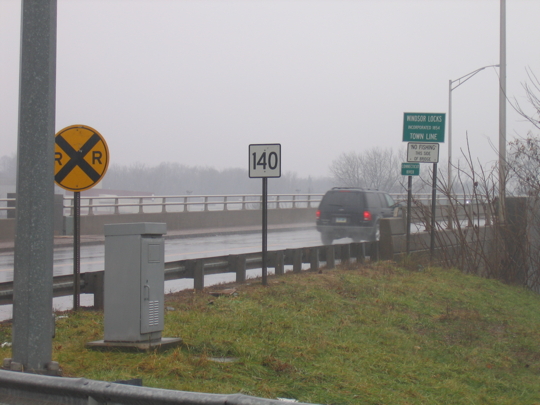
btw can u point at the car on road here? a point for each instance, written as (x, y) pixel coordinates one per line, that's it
(353, 213)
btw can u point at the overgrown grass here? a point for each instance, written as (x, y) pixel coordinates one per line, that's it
(377, 334)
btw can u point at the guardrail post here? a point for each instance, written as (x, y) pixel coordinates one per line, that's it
(11, 203)
(279, 264)
(72, 208)
(427, 218)
(374, 252)
(237, 263)
(198, 276)
(361, 253)
(90, 206)
(243, 202)
(116, 207)
(470, 214)
(487, 214)
(99, 290)
(449, 220)
(314, 258)
(140, 205)
(297, 260)
(354, 247)
(205, 203)
(163, 204)
(330, 257)
(225, 205)
(345, 254)
(94, 283)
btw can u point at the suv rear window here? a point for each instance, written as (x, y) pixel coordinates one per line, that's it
(343, 199)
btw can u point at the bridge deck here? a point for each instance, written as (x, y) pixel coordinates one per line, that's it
(66, 241)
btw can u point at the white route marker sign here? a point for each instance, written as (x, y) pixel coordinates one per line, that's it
(265, 160)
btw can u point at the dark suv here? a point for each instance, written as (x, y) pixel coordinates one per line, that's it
(353, 213)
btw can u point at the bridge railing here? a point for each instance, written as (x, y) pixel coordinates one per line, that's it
(192, 203)
(7, 207)
(187, 203)
(231, 202)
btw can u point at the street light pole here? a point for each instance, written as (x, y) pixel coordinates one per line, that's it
(452, 85)
(502, 115)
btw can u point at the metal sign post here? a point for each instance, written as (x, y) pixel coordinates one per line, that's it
(76, 250)
(264, 230)
(81, 159)
(433, 212)
(409, 200)
(264, 162)
(424, 132)
(409, 170)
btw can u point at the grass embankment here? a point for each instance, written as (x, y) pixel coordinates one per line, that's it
(378, 334)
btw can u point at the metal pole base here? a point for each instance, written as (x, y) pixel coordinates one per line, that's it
(52, 368)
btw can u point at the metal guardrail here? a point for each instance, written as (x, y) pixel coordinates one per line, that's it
(17, 388)
(196, 269)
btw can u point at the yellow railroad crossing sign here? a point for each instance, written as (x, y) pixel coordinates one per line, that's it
(81, 158)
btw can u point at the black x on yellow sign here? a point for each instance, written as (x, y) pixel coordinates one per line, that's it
(81, 158)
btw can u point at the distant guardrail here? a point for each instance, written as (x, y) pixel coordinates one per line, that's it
(136, 204)
(206, 211)
(191, 203)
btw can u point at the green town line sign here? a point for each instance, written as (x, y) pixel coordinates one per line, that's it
(423, 127)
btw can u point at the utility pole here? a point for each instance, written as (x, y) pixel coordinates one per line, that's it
(34, 240)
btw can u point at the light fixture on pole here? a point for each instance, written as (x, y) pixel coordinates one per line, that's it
(452, 85)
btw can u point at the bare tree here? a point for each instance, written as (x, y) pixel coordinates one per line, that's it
(532, 91)
(524, 165)
(524, 152)
(178, 179)
(376, 168)
(509, 249)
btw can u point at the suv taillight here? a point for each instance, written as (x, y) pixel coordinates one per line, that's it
(318, 214)
(367, 216)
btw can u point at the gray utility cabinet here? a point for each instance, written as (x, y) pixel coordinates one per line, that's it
(134, 282)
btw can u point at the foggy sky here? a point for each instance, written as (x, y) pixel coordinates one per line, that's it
(196, 82)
